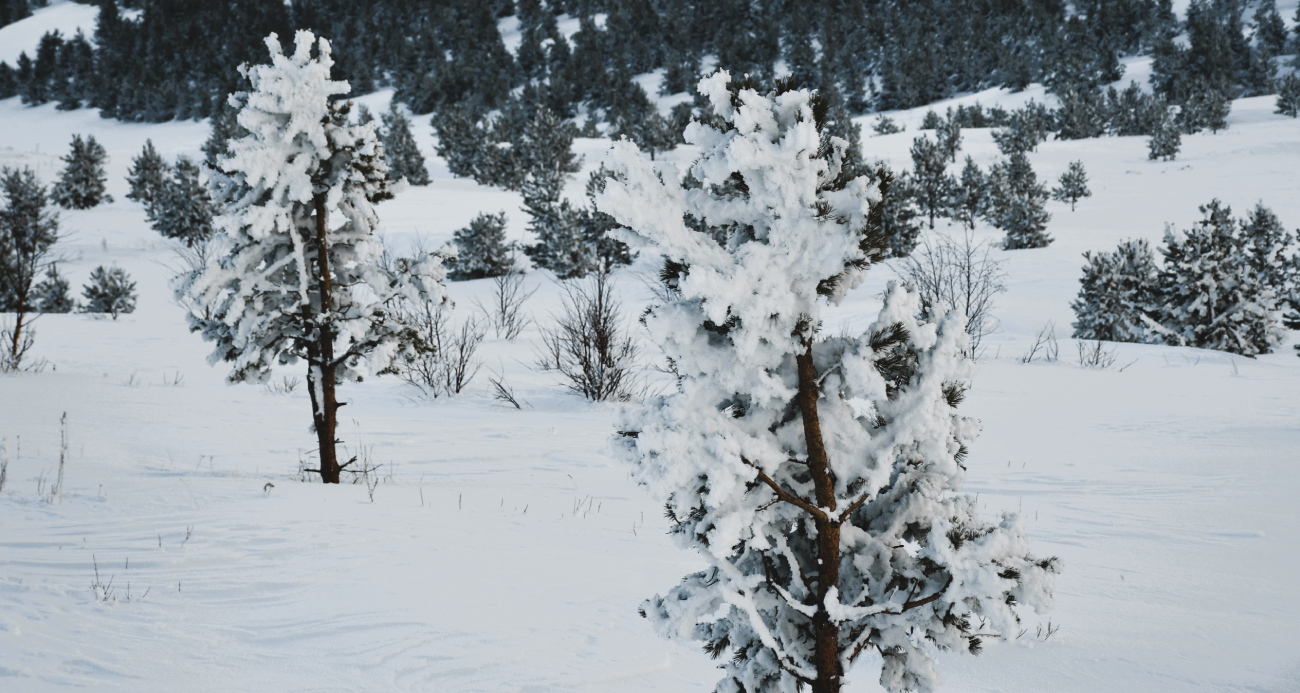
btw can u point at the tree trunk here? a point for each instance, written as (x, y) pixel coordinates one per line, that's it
(18, 329)
(326, 410)
(827, 644)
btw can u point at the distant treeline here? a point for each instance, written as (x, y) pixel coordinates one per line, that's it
(155, 60)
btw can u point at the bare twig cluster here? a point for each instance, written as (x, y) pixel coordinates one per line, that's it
(443, 360)
(506, 312)
(589, 345)
(956, 275)
(1045, 345)
(1094, 354)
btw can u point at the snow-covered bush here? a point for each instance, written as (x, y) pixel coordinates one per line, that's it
(1166, 140)
(148, 174)
(28, 230)
(1288, 96)
(403, 154)
(1118, 296)
(81, 185)
(1017, 203)
(932, 184)
(1074, 185)
(299, 273)
(1211, 295)
(482, 248)
(110, 291)
(51, 294)
(818, 477)
(182, 207)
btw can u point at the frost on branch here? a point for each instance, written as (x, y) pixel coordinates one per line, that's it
(299, 271)
(819, 477)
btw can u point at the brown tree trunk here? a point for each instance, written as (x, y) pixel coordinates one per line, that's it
(18, 328)
(826, 654)
(322, 367)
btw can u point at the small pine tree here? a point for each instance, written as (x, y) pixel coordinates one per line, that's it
(1288, 96)
(970, 195)
(225, 127)
(1081, 114)
(1217, 107)
(401, 151)
(109, 291)
(547, 151)
(1211, 295)
(148, 174)
(1268, 246)
(1166, 140)
(764, 458)
(885, 125)
(483, 250)
(1074, 185)
(931, 121)
(1118, 294)
(81, 185)
(28, 229)
(51, 295)
(1016, 204)
(183, 208)
(932, 183)
(900, 220)
(949, 136)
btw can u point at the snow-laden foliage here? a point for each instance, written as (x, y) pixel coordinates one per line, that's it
(1016, 203)
(1212, 295)
(302, 176)
(403, 154)
(148, 174)
(51, 294)
(1118, 295)
(110, 291)
(28, 230)
(482, 248)
(779, 448)
(81, 185)
(182, 207)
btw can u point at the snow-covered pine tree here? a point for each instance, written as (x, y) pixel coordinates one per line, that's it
(1081, 114)
(931, 121)
(969, 195)
(482, 249)
(463, 144)
(1288, 95)
(596, 226)
(225, 128)
(930, 177)
(547, 150)
(109, 291)
(1074, 185)
(401, 151)
(1268, 246)
(1166, 140)
(28, 229)
(1118, 295)
(1016, 203)
(1211, 297)
(51, 294)
(1217, 107)
(148, 174)
(900, 221)
(948, 135)
(183, 207)
(818, 477)
(289, 283)
(81, 185)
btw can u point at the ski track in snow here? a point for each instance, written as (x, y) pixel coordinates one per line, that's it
(503, 550)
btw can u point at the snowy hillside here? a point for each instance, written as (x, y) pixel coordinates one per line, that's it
(504, 549)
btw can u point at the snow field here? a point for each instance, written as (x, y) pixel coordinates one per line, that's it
(1166, 487)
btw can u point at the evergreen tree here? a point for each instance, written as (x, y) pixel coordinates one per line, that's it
(463, 143)
(767, 468)
(900, 221)
(970, 194)
(1212, 297)
(483, 250)
(28, 229)
(299, 273)
(183, 208)
(148, 174)
(948, 134)
(81, 185)
(1217, 107)
(109, 291)
(1270, 31)
(1118, 294)
(932, 183)
(546, 148)
(1081, 115)
(50, 295)
(1288, 96)
(597, 227)
(1165, 141)
(1074, 185)
(885, 125)
(1268, 247)
(931, 121)
(225, 127)
(1017, 204)
(401, 151)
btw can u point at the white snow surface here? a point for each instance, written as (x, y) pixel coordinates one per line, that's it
(488, 560)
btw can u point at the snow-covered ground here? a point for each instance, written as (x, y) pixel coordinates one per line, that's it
(488, 561)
